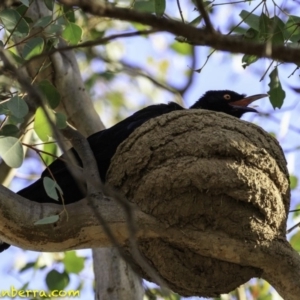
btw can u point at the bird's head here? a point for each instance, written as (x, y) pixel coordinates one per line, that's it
(228, 102)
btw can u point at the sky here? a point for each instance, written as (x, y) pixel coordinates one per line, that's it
(223, 71)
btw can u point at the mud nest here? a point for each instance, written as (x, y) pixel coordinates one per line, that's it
(202, 170)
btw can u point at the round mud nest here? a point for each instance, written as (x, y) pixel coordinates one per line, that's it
(201, 170)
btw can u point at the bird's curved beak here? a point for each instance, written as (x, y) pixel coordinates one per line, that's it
(246, 101)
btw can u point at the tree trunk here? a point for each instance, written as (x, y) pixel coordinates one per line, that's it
(78, 107)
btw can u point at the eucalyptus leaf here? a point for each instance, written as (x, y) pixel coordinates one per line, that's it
(10, 130)
(248, 60)
(43, 22)
(33, 47)
(49, 4)
(14, 23)
(41, 124)
(49, 148)
(277, 94)
(73, 263)
(250, 19)
(292, 29)
(293, 182)
(72, 33)
(57, 281)
(11, 151)
(51, 188)
(160, 7)
(54, 29)
(182, 48)
(196, 21)
(50, 92)
(61, 120)
(145, 6)
(47, 220)
(18, 107)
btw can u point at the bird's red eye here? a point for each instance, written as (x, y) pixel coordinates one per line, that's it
(227, 97)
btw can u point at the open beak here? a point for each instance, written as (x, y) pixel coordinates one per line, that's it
(246, 101)
(243, 103)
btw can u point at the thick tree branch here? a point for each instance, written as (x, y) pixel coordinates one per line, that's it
(271, 253)
(193, 35)
(17, 216)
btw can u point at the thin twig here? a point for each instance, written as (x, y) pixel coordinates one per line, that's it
(96, 42)
(265, 73)
(180, 11)
(196, 36)
(192, 73)
(292, 228)
(204, 15)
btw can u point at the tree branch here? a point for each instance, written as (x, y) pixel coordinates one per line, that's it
(193, 35)
(83, 231)
(259, 251)
(205, 16)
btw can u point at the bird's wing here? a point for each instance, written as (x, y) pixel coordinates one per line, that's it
(104, 145)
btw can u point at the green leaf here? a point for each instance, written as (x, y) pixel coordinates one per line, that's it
(69, 13)
(43, 22)
(33, 47)
(296, 214)
(51, 188)
(25, 2)
(182, 48)
(14, 23)
(160, 7)
(18, 59)
(10, 130)
(264, 26)
(50, 92)
(72, 33)
(252, 34)
(18, 107)
(145, 6)
(250, 19)
(14, 120)
(49, 4)
(56, 280)
(278, 33)
(272, 28)
(11, 151)
(73, 263)
(41, 124)
(295, 241)
(292, 29)
(61, 120)
(196, 21)
(54, 29)
(22, 10)
(277, 94)
(247, 60)
(3, 109)
(240, 30)
(293, 182)
(29, 265)
(49, 148)
(47, 220)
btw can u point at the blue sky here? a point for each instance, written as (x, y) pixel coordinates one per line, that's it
(223, 71)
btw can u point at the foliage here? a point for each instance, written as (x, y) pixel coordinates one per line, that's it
(114, 82)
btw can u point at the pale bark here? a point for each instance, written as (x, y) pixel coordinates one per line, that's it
(116, 276)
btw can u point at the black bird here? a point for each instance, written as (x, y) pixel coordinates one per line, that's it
(105, 143)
